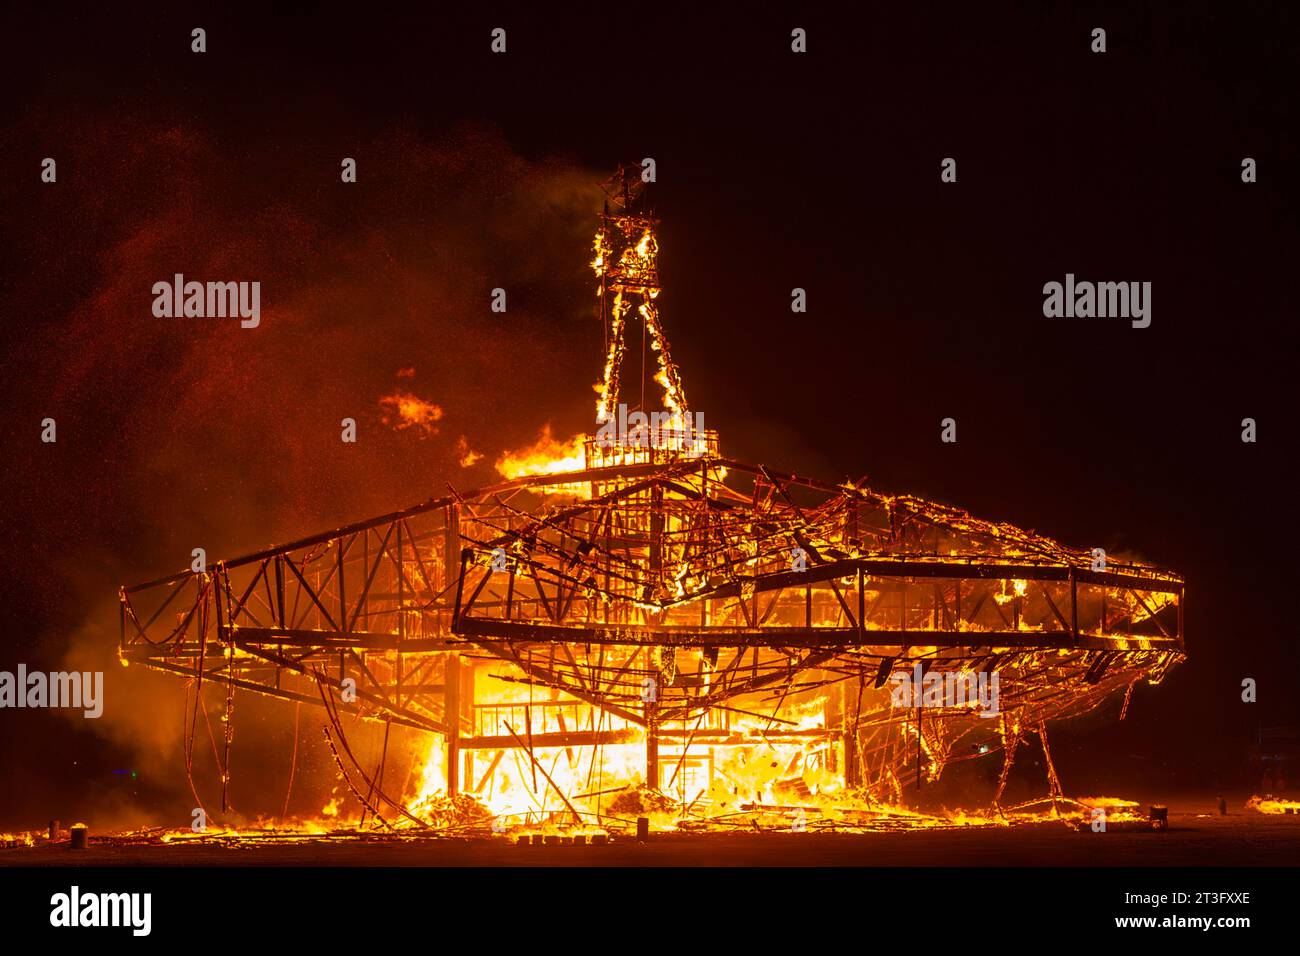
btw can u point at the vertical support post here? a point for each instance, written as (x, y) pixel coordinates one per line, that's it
(460, 589)
(1182, 596)
(214, 578)
(704, 497)
(833, 717)
(1074, 609)
(862, 606)
(849, 733)
(451, 717)
(401, 617)
(343, 594)
(902, 605)
(652, 744)
(279, 591)
(656, 533)
(606, 560)
(918, 737)
(467, 708)
(450, 544)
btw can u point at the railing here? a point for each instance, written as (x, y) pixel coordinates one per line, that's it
(647, 445)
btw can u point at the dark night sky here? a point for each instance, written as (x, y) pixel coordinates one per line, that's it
(775, 171)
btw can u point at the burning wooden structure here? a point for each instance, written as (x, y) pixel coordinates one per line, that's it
(730, 637)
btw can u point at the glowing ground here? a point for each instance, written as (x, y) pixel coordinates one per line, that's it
(1197, 836)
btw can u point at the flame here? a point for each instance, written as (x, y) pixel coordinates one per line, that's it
(467, 456)
(607, 388)
(646, 248)
(1019, 589)
(770, 770)
(1272, 805)
(402, 410)
(546, 456)
(635, 273)
(668, 376)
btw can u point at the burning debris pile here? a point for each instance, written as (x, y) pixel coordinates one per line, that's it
(1272, 805)
(633, 625)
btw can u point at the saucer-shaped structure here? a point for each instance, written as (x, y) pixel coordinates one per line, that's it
(649, 610)
(681, 601)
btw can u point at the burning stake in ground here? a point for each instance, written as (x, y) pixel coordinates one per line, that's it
(623, 633)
